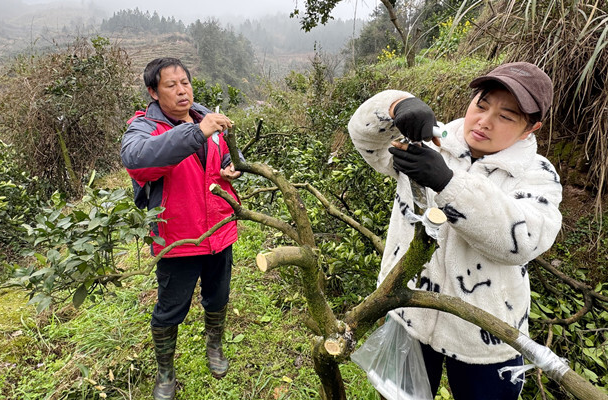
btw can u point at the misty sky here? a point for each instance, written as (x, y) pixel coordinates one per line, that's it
(190, 10)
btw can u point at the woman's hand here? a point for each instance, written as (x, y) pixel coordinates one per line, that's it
(422, 164)
(414, 119)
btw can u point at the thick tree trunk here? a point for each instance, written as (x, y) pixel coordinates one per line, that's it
(328, 371)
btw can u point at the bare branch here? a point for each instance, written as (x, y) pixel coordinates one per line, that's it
(243, 213)
(333, 210)
(255, 138)
(576, 317)
(573, 283)
(146, 271)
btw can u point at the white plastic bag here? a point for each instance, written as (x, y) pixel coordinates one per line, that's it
(394, 363)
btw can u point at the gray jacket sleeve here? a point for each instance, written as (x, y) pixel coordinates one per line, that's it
(142, 150)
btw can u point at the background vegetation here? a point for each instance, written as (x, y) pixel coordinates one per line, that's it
(103, 347)
(65, 111)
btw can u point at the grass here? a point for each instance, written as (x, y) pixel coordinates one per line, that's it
(103, 350)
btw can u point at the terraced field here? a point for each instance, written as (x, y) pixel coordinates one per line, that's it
(143, 49)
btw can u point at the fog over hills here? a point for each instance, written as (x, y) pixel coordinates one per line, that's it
(38, 24)
(229, 11)
(24, 26)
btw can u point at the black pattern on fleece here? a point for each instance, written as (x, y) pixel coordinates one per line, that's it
(549, 168)
(515, 249)
(452, 214)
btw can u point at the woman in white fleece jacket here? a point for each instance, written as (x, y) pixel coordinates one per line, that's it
(501, 199)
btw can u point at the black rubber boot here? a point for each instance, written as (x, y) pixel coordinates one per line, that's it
(164, 339)
(214, 325)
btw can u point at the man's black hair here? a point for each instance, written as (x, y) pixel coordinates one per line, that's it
(152, 70)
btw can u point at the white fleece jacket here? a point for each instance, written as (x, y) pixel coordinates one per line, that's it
(502, 212)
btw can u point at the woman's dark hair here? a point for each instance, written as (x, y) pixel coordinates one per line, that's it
(152, 70)
(486, 87)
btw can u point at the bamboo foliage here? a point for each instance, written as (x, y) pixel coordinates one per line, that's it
(569, 40)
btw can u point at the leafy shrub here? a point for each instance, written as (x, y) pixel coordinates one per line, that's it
(19, 203)
(583, 340)
(77, 247)
(78, 101)
(209, 96)
(387, 54)
(213, 96)
(450, 36)
(559, 316)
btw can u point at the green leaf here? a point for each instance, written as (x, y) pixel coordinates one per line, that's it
(42, 271)
(64, 223)
(83, 369)
(592, 376)
(558, 329)
(444, 393)
(238, 338)
(94, 223)
(121, 207)
(158, 240)
(41, 300)
(40, 257)
(564, 308)
(80, 215)
(79, 296)
(593, 354)
(92, 178)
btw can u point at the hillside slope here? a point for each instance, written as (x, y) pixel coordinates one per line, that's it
(143, 49)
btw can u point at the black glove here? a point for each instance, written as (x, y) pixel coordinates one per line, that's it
(422, 164)
(414, 119)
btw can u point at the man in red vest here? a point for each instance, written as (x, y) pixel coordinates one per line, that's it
(174, 150)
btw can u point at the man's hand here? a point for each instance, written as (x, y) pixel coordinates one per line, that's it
(214, 122)
(229, 174)
(422, 164)
(414, 119)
